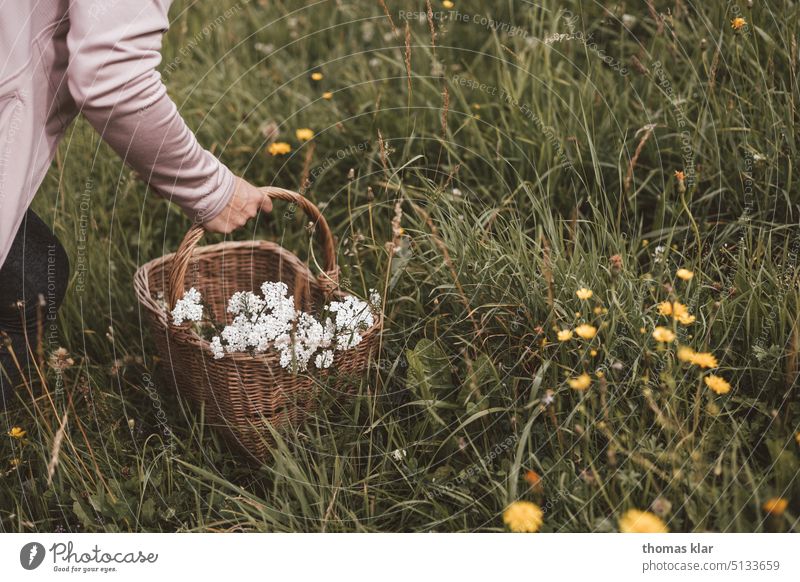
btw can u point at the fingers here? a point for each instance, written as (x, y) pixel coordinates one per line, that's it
(266, 203)
(246, 203)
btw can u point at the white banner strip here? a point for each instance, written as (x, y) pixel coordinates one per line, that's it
(389, 557)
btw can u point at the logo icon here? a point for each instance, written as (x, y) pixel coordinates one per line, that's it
(31, 555)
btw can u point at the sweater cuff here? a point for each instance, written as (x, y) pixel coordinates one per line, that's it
(216, 200)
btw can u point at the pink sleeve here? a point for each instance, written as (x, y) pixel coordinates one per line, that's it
(114, 48)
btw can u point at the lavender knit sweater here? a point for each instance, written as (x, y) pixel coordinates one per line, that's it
(59, 58)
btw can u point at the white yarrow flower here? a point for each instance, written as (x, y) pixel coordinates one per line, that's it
(216, 348)
(271, 322)
(374, 299)
(188, 308)
(324, 359)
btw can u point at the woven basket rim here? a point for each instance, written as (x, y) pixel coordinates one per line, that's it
(185, 333)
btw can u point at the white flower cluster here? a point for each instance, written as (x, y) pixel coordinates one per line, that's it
(188, 308)
(352, 316)
(271, 321)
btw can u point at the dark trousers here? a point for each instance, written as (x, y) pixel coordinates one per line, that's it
(33, 280)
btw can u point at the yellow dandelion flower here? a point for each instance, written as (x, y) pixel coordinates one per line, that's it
(523, 517)
(775, 506)
(304, 134)
(597, 310)
(600, 374)
(593, 353)
(317, 76)
(797, 438)
(665, 308)
(327, 95)
(663, 334)
(586, 331)
(581, 382)
(679, 309)
(717, 384)
(447, 4)
(584, 293)
(684, 274)
(636, 521)
(279, 148)
(16, 432)
(642, 330)
(564, 335)
(738, 23)
(704, 360)
(15, 462)
(686, 319)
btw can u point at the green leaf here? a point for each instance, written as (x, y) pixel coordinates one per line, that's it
(429, 374)
(148, 510)
(480, 381)
(80, 512)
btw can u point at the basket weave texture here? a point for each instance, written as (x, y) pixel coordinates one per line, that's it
(242, 395)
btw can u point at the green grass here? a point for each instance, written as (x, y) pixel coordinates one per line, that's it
(511, 198)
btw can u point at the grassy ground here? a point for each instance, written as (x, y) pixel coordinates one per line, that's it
(518, 166)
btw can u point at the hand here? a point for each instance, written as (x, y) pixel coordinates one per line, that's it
(245, 204)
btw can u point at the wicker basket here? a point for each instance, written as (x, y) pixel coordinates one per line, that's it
(243, 394)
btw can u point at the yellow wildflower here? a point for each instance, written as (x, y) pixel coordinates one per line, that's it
(797, 438)
(679, 309)
(317, 76)
(523, 517)
(680, 175)
(704, 360)
(327, 95)
(663, 334)
(304, 134)
(586, 331)
(775, 506)
(593, 353)
(685, 319)
(717, 384)
(581, 382)
(636, 521)
(584, 293)
(665, 308)
(16, 432)
(15, 462)
(279, 148)
(448, 4)
(684, 274)
(738, 23)
(564, 335)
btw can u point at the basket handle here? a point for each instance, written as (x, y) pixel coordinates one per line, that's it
(328, 280)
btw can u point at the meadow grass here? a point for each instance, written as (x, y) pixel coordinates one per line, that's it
(478, 178)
